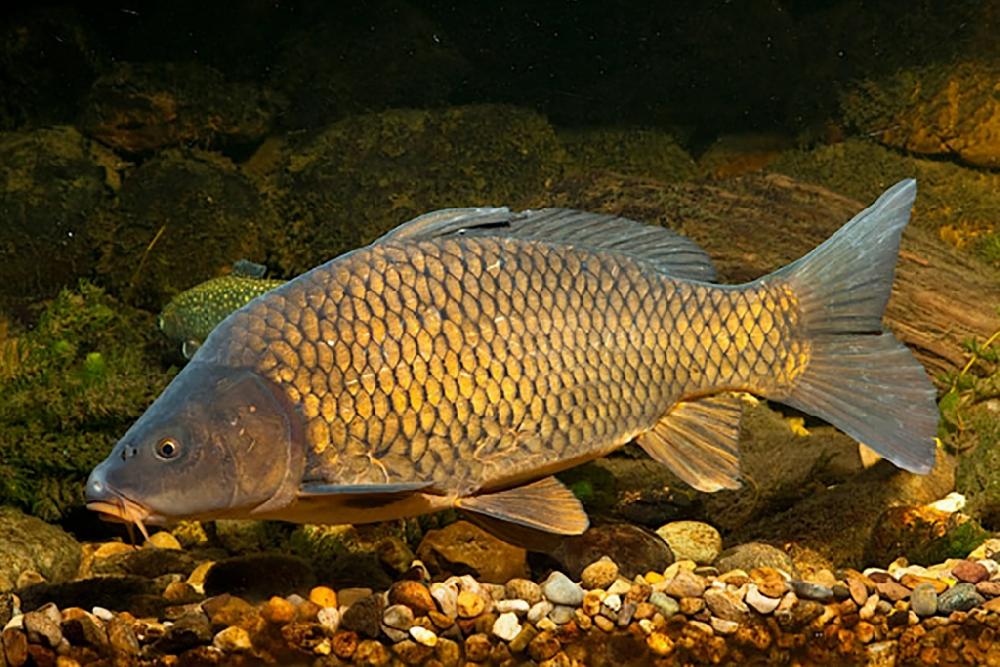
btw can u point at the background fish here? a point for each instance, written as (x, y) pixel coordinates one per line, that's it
(468, 355)
(191, 315)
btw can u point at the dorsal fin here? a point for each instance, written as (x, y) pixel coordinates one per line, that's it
(666, 250)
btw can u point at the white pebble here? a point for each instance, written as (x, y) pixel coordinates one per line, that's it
(760, 602)
(16, 621)
(951, 503)
(102, 613)
(516, 606)
(506, 627)
(612, 602)
(620, 587)
(329, 618)
(423, 636)
(646, 626)
(539, 611)
(990, 565)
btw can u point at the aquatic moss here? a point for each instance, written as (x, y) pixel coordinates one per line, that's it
(364, 175)
(628, 151)
(83, 374)
(959, 203)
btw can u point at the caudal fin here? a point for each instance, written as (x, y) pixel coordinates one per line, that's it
(860, 378)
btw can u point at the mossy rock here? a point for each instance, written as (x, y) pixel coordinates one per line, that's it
(180, 218)
(957, 202)
(630, 151)
(361, 57)
(978, 474)
(364, 175)
(947, 109)
(28, 543)
(143, 107)
(365, 555)
(53, 180)
(923, 535)
(69, 389)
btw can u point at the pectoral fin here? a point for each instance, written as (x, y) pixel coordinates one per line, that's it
(699, 441)
(544, 505)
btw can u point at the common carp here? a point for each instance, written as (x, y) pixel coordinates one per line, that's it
(465, 357)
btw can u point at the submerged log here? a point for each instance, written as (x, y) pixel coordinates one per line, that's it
(755, 224)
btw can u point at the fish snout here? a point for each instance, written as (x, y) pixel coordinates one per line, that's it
(97, 490)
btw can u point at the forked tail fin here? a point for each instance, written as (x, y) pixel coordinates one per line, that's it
(859, 378)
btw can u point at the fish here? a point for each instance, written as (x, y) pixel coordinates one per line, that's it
(191, 315)
(467, 356)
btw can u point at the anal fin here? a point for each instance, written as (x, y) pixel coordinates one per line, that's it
(699, 441)
(545, 505)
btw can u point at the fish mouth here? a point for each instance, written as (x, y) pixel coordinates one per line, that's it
(123, 510)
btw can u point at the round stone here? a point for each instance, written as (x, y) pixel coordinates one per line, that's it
(163, 540)
(523, 589)
(960, 597)
(753, 555)
(692, 540)
(233, 638)
(760, 602)
(323, 596)
(664, 604)
(559, 589)
(970, 571)
(506, 627)
(924, 600)
(423, 636)
(599, 574)
(470, 605)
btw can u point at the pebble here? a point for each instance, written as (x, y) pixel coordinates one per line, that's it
(329, 618)
(660, 644)
(604, 623)
(924, 600)
(960, 597)
(470, 604)
(753, 555)
(278, 611)
(515, 606)
(691, 606)
(723, 626)
(811, 591)
(726, 605)
(414, 595)
(692, 540)
(423, 636)
(538, 611)
(970, 572)
(446, 597)
(685, 585)
(559, 589)
(770, 582)
(867, 611)
(233, 638)
(163, 540)
(599, 574)
(348, 596)
(612, 602)
(507, 627)
(561, 614)
(892, 590)
(990, 589)
(41, 628)
(398, 616)
(761, 603)
(323, 596)
(523, 589)
(664, 604)
(102, 613)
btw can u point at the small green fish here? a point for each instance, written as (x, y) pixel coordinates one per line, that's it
(467, 356)
(191, 315)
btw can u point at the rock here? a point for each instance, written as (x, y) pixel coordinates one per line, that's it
(398, 616)
(922, 534)
(329, 618)
(924, 600)
(364, 616)
(599, 574)
(760, 602)
(685, 585)
(278, 610)
(83, 629)
(463, 547)
(423, 636)
(722, 626)
(226, 609)
(752, 555)
(41, 628)
(970, 572)
(259, 576)
(770, 581)
(691, 606)
(934, 109)
(122, 639)
(560, 590)
(190, 630)
(990, 589)
(692, 540)
(163, 540)
(664, 604)
(726, 605)
(810, 591)
(892, 590)
(232, 639)
(634, 550)
(506, 627)
(115, 592)
(27, 543)
(960, 597)
(414, 595)
(148, 563)
(446, 597)
(538, 611)
(15, 645)
(523, 589)
(470, 604)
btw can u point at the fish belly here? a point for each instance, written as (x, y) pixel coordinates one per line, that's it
(477, 362)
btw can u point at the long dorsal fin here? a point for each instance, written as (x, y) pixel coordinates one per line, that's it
(699, 441)
(666, 250)
(545, 505)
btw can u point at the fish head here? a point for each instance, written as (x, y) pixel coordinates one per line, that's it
(219, 442)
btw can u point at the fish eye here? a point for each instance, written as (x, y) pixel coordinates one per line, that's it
(167, 448)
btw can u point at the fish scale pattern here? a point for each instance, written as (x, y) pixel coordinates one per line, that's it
(473, 362)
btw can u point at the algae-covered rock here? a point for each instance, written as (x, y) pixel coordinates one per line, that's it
(28, 543)
(956, 202)
(978, 474)
(737, 154)
(53, 180)
(363, 175)
(464, 548)
(48, 59)
(633, 151)
(180, 218)
(361, 57)
(942, 109)
(343, 555)
(922, 534)
(69, 389)
(142, 107)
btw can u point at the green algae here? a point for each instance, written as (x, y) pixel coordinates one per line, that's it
(628, 151)
(83, 374)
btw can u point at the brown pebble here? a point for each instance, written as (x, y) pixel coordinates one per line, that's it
(224, 610)
(278, 611)
(769, 581)
(477, 647)
(412, 653)
(644, 610)
(414, 595)
(970, 572)
(685, 584)
(583, 621)
(592, 602)
(371, 652)
(122, 638)
(303, 636)
(859, 592)
(180, 592)
(691, 605)
(911, 581)
(897, 618)
(989, 589)
(660, 644)
(523, 638)
(864, 631)
(15, 643)
(470, 605)
(345, 643)
(41, 656)
(604, 623)
(892, 590)
(543, 646)
(440, 620)
(448, 652)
